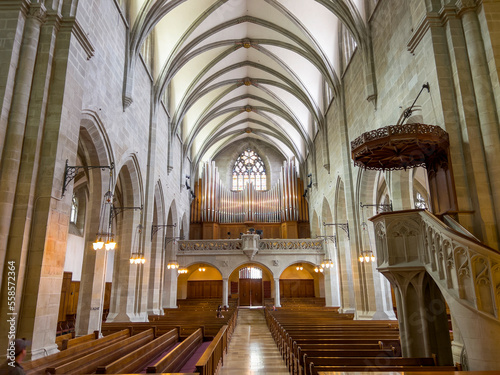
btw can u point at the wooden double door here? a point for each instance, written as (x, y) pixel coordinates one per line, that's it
(250, 292)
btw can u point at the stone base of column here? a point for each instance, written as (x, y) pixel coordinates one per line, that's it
(155, 312)
(126, 317)
(347, 310)
(384, 315)
(43, 352)
(364, 315)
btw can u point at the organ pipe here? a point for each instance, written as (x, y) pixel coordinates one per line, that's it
(214, 202)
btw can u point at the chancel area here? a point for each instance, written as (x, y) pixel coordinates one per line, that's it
(322, 174)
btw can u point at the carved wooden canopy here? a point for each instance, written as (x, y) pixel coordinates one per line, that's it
(401, 146)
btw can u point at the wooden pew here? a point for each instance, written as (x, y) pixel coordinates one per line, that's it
(312, 365)
(135, 361)
(213, 356)
(176, 358)
(60, 339)
(79, 340)
(88, 364)
(38, 366)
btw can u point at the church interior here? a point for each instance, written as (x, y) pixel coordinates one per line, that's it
(176, 172)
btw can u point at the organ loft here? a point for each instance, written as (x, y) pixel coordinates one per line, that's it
(312, 183)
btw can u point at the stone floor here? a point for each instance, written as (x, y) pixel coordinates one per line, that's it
(252, 349)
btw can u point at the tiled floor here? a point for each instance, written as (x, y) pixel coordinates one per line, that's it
(252, 349)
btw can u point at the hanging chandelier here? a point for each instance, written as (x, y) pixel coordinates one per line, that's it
(172, 264)
(367, 257)
(137, 258)
(182, 270)
(104, 238)
(327, 263)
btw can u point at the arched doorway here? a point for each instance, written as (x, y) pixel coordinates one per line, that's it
(250, 286)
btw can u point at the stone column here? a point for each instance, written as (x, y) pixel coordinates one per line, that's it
(225, 291)
(170, 289)
(421, 314)
(13, 145)
(277, 302)
(332, 292)
(485, 102)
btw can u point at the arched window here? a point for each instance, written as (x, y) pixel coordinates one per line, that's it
(74, 210)
(250, 273)
(420, 201)
(249, 167)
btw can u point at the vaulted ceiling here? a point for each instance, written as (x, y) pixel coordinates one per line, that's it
(232, 69)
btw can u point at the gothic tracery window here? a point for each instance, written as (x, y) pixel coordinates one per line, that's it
(249, 167)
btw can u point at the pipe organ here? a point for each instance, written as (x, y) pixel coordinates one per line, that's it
(215, 203)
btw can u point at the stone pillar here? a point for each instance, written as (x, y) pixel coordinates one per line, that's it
(225, 291)
(13, 145)
(421, 315)
(170, 289)
(485, 102)
(277, 302)
(332, 293)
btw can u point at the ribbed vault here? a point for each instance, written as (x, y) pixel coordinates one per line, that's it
(231, 69)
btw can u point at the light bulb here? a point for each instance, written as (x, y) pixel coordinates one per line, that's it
(367, 258)
(321, 270)
(143, 260)
(361, 258)
(372, 258)
(131, 261)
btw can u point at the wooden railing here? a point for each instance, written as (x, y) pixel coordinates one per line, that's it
(214, 354)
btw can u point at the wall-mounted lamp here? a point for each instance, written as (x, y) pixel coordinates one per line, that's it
(182, 270)
(202, 269)
(299, 267)
(318, 269)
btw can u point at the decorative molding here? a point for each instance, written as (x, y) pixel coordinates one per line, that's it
(288, 244)
(71, 24)
(15, 5)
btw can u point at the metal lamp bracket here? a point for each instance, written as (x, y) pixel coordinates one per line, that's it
(71, 171)
(343, 226)
(156, 228)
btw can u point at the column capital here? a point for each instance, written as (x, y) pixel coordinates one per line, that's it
(464, 6)
(38, 12)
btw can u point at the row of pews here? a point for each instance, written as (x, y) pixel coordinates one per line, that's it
(184, 340)
(314, 340)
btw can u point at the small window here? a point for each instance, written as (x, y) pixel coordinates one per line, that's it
(251, 273)
(349, 45)
(420, 201)
(73, 217)
(249, 167)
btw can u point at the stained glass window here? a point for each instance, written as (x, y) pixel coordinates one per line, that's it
(249, 167)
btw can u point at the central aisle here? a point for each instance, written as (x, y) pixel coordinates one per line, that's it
(252, 349)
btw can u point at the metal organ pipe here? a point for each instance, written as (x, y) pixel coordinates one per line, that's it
(217, 203)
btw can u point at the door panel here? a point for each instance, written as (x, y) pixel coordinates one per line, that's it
(256, 292)
(245, 292)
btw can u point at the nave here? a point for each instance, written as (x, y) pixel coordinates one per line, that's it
(252, 348)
